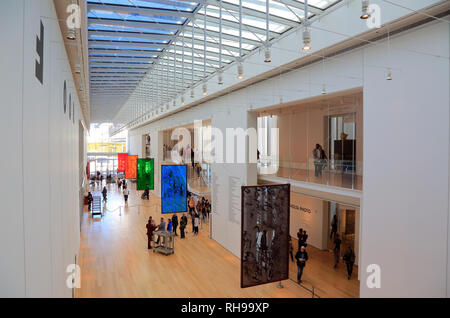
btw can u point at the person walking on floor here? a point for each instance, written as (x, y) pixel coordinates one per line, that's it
(183, 223)
(151, 227)
(175, 224)
(126, 193)
(301, 256)
(337, 250)
(349, 259)
(105, 193)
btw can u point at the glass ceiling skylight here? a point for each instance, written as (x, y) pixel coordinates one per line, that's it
(130, 38)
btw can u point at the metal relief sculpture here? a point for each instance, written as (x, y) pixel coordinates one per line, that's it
(265, 234)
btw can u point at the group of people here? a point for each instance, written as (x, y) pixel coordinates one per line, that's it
(301, 256)
(170, 226)
(349, 254)
(201, 208)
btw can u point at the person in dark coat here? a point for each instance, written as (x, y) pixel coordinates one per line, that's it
(90, 198)
(301, 256)
(183, 224)
(175, 224)
(349, 259)
(337, 249)
(104, 192)
(151, 227)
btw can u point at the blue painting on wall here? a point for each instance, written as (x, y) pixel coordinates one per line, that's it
(173, 188)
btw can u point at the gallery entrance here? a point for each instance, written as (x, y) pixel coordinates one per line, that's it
(345, 219)
(315, 217)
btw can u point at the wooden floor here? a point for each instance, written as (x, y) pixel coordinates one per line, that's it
(115, 262)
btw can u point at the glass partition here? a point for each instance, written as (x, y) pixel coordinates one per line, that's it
(319, 142)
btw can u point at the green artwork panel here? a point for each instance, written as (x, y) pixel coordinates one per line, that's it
(145, 174)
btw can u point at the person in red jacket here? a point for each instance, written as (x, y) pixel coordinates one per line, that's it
(151, 227)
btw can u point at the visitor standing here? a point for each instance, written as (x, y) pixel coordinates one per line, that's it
(183, 223)
(161, 228)
(301, 257)
(151, 227)
(175, 224)
(169, 225)
(196, 223)
(90, 198)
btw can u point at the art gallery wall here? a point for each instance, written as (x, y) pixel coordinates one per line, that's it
(309, 214)
(39, 231)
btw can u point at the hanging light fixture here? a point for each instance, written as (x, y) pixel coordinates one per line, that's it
(220, 77)
(71, 35)
(389, 75)
(324, 89)
(306, 40)
(192, 93)
(267, 55)
(240, 69)
(205, 89)
(182, 100)
(365, 10)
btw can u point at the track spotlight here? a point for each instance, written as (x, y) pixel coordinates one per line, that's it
(182, 100)
(220, 77)
(240, 69)
(306, 40)
(71, 35)
(267, 58)
(205, 89)
(365, 10)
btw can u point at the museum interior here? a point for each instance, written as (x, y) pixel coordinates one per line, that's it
(225, 148)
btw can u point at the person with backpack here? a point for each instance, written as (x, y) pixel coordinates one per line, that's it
(349, 259)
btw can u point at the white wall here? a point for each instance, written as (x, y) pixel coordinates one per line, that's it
(39, 230)
(406, 166)
(311, 216)
(406, 152)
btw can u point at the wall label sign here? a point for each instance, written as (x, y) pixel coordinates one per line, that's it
(39, 69)
(300, 208)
